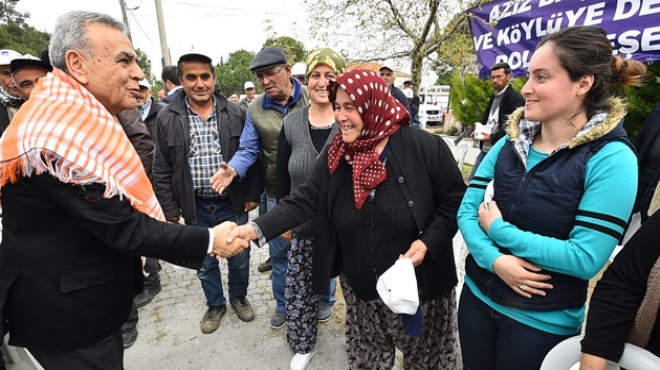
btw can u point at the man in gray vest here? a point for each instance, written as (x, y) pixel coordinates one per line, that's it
(282, 94)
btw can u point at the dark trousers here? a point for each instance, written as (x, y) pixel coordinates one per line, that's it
(151, 267)
(490, 340)
(132, 320)
(108, 354)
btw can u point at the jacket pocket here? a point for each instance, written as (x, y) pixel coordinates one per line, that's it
(73, 280)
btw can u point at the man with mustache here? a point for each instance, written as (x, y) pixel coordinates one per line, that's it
(195, 134)
(282, 94)
(78, 207)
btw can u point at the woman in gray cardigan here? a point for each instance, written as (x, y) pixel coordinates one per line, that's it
(304, 135)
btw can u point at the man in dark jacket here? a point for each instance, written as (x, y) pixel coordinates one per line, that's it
(171, 83)
(148, 106)
(501, 104)
(388, 75)
(195, 134)
(68, 258)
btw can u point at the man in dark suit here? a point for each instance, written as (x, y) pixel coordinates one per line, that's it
(73, 231)
(171, 83)
(501, 104)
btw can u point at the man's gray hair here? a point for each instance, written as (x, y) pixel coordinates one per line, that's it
(71, 34)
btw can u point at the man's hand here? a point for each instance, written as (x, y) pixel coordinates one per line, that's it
(248, 206)
(245, 232)
(223, 248)
(174, 220)
(416, 253)
(221, 179)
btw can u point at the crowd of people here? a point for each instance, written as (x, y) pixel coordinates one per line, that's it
(346, 186)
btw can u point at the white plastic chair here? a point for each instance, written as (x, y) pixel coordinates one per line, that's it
(461, 153)
(566, 354)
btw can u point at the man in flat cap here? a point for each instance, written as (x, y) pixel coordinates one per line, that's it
(27, 71)
(282, 95)
(195, 134)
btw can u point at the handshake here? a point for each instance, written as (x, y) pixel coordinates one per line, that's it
(230, 239)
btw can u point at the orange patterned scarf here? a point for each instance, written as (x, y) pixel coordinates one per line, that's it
(65, 131)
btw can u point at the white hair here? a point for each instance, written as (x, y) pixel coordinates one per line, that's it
(71, 34)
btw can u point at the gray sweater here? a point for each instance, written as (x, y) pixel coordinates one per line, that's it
(302, 157)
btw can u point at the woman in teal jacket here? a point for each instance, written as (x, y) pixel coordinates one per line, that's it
(564, 184)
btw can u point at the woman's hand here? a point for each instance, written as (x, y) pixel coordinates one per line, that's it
(591, 362)
(520, 275)
(287, 235)
(416, 253)
(488, 212)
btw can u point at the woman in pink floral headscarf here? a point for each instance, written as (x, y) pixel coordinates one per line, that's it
(382, 191)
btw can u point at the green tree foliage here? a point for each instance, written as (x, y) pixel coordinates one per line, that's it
(389, 29)
(232, 74)
(9, 14)
(469, 97)
(145, 64)
(15, 34)
(294, 49)
(641, 100)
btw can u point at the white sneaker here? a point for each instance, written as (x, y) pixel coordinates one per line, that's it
(300, 361)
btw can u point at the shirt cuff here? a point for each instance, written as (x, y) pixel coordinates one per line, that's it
(261, 239)
(209, 249)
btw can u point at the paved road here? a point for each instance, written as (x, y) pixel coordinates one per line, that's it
(170, 338)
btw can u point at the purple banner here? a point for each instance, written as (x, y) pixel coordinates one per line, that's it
(508, 31)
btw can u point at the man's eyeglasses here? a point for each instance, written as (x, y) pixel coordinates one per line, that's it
(269, 73)
(388, 74)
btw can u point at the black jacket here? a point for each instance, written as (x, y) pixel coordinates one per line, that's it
(69, 264)
(139, 136)
(150, 121)
(511, 100)
(644, 144)
(432, 186)
(4, 118)
(401, 97)
(172, 177)
(619, 294)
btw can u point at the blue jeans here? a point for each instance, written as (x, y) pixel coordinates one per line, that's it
(329, 299)
(477, 162)
(277, 249)
(211, 212)
(492, 341)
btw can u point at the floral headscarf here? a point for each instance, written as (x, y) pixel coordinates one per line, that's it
(382, 115)
(325, 56)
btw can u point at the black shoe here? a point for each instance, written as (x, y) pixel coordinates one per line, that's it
(211, 319)
(147, 295)
(129, 337)
(265, 267)
(243, 308)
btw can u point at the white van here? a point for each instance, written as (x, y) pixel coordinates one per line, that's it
(434, 103)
